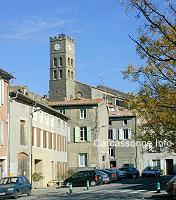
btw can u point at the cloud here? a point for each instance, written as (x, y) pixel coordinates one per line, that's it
(31, 29)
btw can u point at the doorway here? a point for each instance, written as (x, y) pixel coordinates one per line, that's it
(112, 164)
(169, 167)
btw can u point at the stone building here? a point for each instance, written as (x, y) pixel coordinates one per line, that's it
(88, 125)
(65, 94)
(37, 138)
(4, 121)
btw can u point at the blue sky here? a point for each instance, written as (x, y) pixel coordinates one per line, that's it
(100, 29)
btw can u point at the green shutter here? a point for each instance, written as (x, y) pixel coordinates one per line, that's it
(76, 134)
(68, 134)
(89, 134)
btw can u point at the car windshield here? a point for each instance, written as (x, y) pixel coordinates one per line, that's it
(9, 180)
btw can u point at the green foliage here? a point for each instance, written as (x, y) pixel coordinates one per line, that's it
(155, 101)
(37, 176)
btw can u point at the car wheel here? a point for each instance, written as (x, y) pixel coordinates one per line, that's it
(16, 195)
(92, 183)
(134, 176)
(29, 192)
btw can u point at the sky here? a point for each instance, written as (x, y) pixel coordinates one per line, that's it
(101, 30)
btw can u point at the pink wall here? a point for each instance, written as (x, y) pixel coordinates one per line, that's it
(4, 118)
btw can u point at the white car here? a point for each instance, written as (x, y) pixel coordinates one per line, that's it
(150, 171)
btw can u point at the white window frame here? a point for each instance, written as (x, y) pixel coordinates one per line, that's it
(83, 113)
(1, 133)
(124, 134)
(84, 161)
(83, 130)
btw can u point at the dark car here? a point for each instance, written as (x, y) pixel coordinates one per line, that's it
(120, 174)
(150, 171)
(171, 186)
(80, 178)
(14, 186)
(131, 172)
(104, 176)
(112, 175)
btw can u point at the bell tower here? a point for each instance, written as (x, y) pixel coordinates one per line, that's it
(62, 68)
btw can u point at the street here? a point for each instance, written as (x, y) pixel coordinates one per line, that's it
(141, 188)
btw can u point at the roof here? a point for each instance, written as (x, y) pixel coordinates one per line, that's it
(76, 102)
(118, 111)
(5, 75)
(112, 91)
(29, 101)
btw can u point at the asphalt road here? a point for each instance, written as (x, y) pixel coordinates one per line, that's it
(141, 188)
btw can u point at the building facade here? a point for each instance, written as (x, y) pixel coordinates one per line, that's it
(4, 122)
(88, 127)
(37, 138)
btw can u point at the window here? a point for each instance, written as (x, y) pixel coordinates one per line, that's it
(60, 61)
(72, 63)
(125, 134)
(60, 74)
(83, 160)
(68, 61)
(83, 133)
(68, 73)
(22, 132)
(62, 111)
(125, 122)
(55, 62)
(1, 92)
(112, 152)
(71, 75)
(83, 113)
(55, 75)
(110, 122)
(44, 139)
(1, 133)
(156, 163)
(110, 134)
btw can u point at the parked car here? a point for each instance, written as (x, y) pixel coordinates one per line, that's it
(150, 171)
(112, 175)
(104, 176)
(131, 172)
(80, 178)
(171, 186)
(14, 186)
(120, 174)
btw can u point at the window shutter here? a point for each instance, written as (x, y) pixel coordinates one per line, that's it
(114, 133)
(2, 92)
(89, 134)
(1, 133)
(129, 133)
(121, 134)
(76, 134)
(68, 134)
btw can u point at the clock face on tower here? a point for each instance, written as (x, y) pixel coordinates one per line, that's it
(57, 46)
(69, 47)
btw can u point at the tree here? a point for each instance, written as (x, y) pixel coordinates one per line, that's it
(155, 101)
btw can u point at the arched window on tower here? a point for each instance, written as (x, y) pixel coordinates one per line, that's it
(68, 61)
(60, 74)
(72, 63)
(55, 62)
(69, 74)
(55, 75)
(60, 61)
